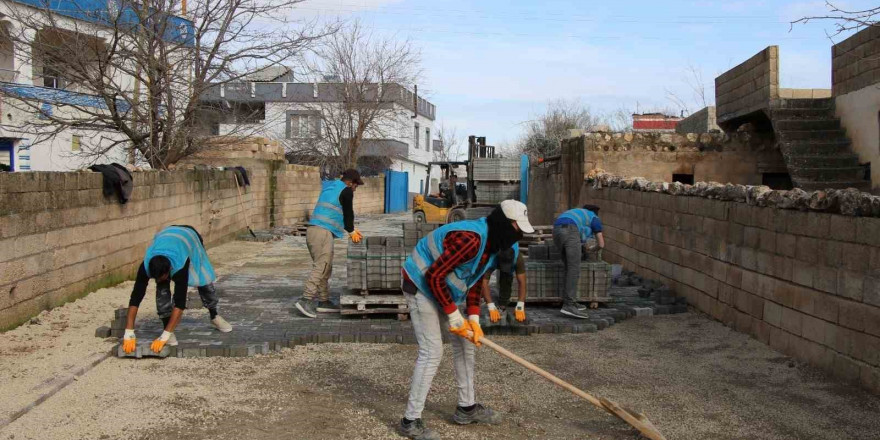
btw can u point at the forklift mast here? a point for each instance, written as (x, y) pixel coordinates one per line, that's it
(477, 148)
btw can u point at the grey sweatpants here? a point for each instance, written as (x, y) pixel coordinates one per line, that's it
(165, 302)
(428, 323)
(568, 240)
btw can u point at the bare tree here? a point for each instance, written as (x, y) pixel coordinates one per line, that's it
(699, 99)
(449, 144)
(138, 67)
(620, 120)
(845, 20)
(545, 132)
(360, 76)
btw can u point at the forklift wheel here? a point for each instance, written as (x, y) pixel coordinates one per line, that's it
(456, 215)
(419, 217)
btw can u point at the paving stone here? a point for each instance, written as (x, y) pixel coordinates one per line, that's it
(102, 332)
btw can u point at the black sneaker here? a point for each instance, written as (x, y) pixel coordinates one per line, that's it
(326, 307)
(573, 311)
(479, 414)
(416, 430)
(307, 307)
(580, 306)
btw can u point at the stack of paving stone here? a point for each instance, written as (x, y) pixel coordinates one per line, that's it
(545, 275)
(413, 232)
(375, 263)
(496, 179)
(650, 297)
(117, 325)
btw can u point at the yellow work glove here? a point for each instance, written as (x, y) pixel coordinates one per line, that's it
(356, 236)
(494, 313)
(158, 344)
(129, 341)
(520, 311)
(476, 332)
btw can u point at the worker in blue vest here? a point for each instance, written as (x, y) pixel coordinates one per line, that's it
(333, 217)
(445, 270)
(571, 231)
(176, 254)
(510, 263)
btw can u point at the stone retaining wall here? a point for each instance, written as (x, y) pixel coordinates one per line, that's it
(805, 282)
(854, 63)
(748, 87)
(60, 238)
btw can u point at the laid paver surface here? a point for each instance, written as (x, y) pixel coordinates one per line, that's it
(258, 300)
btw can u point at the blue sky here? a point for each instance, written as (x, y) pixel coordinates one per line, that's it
(491, 65)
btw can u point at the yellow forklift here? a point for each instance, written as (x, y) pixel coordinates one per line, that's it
(454, 202)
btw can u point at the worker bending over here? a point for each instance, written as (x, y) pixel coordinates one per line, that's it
(176, 254)
(332, 218)
(444, 271)
(509, 261)
(570, 234)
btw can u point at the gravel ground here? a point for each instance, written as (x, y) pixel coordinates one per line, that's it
(693, 377)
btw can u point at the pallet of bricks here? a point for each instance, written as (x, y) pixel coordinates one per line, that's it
(545, 277)
(413, 232)
(373, 267)
(496, 179)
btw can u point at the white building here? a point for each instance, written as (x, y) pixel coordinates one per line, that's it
(270, 104)
(27, 75)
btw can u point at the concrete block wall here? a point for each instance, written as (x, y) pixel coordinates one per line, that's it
(806, 283)
(701, 121)
(61, 238)
(749, 86)
(854, 62)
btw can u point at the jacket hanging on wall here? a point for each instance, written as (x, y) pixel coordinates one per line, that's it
(241, 176)
(117, 180)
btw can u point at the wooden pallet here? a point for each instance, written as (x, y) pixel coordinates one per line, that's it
(374, 305)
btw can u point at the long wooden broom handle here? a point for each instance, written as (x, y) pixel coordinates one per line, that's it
(247, 215)
(504, 352)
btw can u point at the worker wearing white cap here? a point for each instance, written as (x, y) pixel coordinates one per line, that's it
(443, 272)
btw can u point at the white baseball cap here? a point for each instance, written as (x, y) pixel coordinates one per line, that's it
(517, 211)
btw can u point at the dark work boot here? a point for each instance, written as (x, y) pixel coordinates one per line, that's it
(479, 414)
(416, 430)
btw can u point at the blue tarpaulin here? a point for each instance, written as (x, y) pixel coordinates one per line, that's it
(524, 178)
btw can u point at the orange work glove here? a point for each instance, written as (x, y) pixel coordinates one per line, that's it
(520, 311)
(356, 236)
(494, 313)
(476, 332)
(129, 341)
(158, 344)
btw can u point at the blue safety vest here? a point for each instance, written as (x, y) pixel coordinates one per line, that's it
(582, 218)
(179, 244)
(328, 210)
(462, 277)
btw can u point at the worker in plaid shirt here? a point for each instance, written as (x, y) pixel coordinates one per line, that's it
(443, 271)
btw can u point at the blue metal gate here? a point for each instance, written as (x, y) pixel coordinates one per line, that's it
(524, 178)
(396, 191)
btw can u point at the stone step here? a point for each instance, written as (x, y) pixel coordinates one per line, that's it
(817, 103)
(861, 185)
(827, 174)
(801, 114)
(783, 125)
(816, 161)
(809, 135)
(815, 148)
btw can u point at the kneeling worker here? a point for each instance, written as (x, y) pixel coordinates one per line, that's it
(176, 254)
(509, 261)
(443, 271)
(571, 231)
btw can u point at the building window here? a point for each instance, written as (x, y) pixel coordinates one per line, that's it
(416, 136)
(428, 138)
(75, 141)
(687, 179)
(305, 126)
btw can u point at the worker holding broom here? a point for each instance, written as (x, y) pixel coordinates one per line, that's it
(176, 254)
(332, 218)
(444, 271)
(510, 262)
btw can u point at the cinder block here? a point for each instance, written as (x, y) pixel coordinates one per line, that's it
(792, 321)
